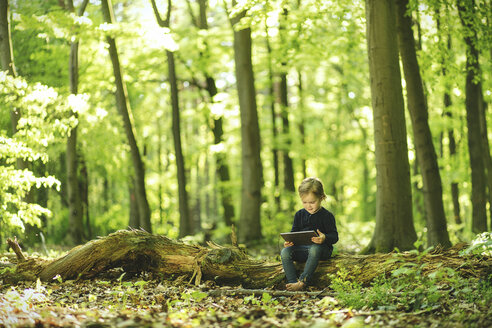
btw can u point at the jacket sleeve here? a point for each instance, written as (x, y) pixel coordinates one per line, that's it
(330, 231)
(296, 226)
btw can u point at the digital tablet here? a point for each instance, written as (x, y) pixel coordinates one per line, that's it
(299, 237)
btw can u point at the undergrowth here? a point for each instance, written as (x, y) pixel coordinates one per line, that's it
(407, 288)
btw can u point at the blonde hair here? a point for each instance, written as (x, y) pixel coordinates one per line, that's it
(312, 185)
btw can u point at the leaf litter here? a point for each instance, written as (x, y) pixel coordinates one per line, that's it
(148, 302)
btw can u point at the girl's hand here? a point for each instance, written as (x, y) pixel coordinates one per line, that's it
(288, 244)
(320, 239)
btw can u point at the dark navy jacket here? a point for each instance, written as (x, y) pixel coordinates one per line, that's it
(323, 220)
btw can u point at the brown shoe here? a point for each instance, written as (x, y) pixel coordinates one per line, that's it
(294, 287)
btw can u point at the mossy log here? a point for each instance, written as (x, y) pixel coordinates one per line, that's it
(138, 251)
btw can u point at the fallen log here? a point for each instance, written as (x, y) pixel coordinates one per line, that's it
(137, 251)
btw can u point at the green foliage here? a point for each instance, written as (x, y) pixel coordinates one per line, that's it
(481, 245)
(320, 45)
(44, 117)
(407, 288)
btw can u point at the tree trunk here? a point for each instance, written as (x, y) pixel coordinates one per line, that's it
(75, 208)
(394, 219)
(466, 9)
(283, 100)
(6, 53)
(126, 114)
(223, 171)
(84, 193)
(273, 115)
(134, 219)
(249, 225)
(487, 159)
(437, 233)
(302, 129)
(7, 60)
(159, 170)
(137, 251)
(451, 139)
(76, 218)
(284, 114)
(185, 224)
(222, 167)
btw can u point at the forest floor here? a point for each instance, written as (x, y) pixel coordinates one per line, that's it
(404, 298)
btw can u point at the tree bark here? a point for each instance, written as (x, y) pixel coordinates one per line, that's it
(134, 219)
(283, 101)
(487, 159)
(301, 125)
(249, 220)
(7, 62)
(126, 114)
(6, 53)
(273, 115)
(75, 207)
(137, 251)
(447, 102)
(185, 221)
(218, 132)
(185, 224)
(437, 233)
(284, 114)
(466, 9)
(222, 167)
(394, 219)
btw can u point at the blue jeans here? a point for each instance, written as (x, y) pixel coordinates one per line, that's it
(311, 254)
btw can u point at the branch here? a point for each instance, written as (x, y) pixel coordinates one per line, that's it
(71, 7)
(14, 245)
(160, 21)
(259, 292)
(194, 20)
(82, 8)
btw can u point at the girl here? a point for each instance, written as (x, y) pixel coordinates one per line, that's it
(312, 217)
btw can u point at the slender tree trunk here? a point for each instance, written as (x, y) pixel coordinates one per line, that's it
(185, 224)
(84, 193)
(273, 115)
(394, 220)
(75, 219)
(473, 102)
(222, 166)
(223, 172)
(302, 129)
(134, 218)
(218, 132)
(486, 156)
(437, 233)
(283, 100)
(75, 208)
(7, 60)
(455, 193)
(159, 169)
(284, 114)
(6, 53)
(249, 219)
(451, 139)
(126, 114)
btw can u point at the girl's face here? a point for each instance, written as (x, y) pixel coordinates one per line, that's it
(311, 202)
